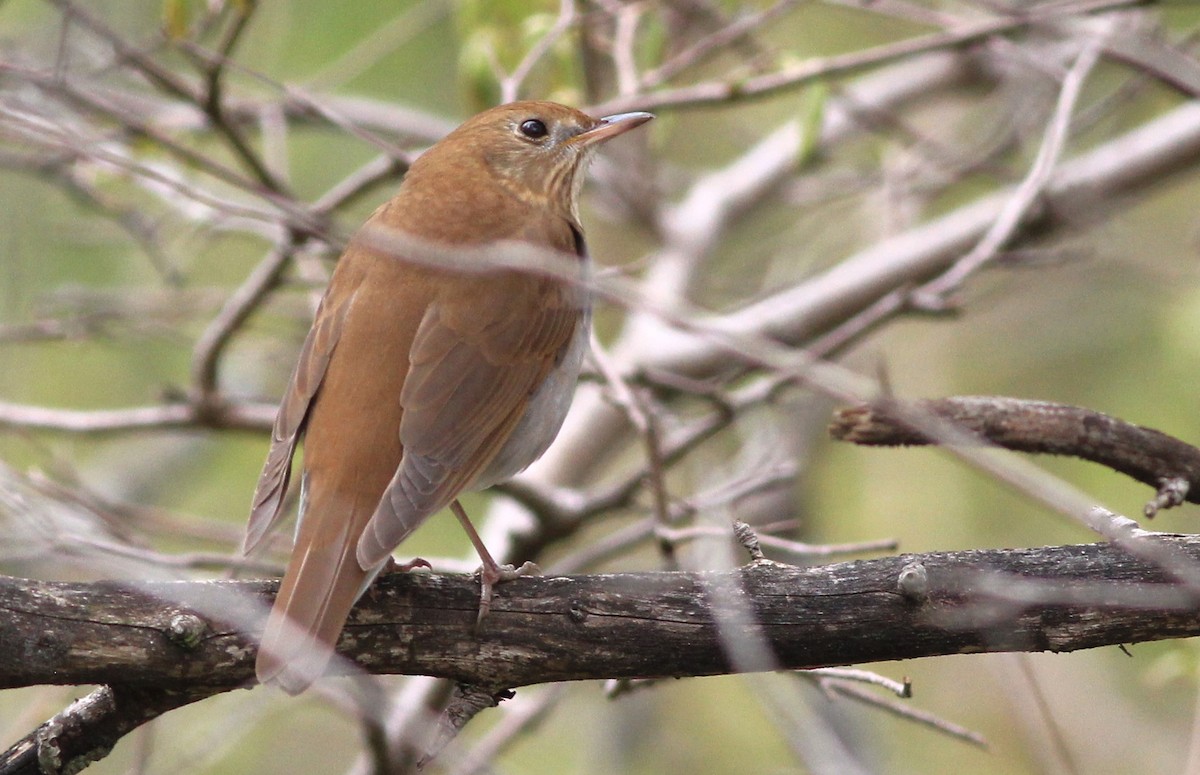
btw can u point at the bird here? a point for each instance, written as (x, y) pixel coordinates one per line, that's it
(428, 373)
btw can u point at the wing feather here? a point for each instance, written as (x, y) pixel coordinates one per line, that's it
(473, 368)
(266, 506)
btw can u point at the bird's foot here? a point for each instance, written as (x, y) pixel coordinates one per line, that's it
(391, 566)
(491, 575)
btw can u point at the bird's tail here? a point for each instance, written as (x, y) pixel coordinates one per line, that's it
(322, 581)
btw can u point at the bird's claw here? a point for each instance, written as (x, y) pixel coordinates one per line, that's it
(391, 566)
(489, 577)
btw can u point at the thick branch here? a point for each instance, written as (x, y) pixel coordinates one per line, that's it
(603, 626)
(157, 645)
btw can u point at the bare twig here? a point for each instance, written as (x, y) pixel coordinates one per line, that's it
(791, 77)
(1041, 427)
(624, 54)
(252, 292)
(906, 712)
(510, 87)
(643, 420)
(215, 414)
(214, 67)
(711, 44)
(1018, 208)
(127, 54)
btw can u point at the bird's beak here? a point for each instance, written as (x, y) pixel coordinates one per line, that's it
(611, 126)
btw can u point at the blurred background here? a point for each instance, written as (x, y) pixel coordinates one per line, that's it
(792, 138)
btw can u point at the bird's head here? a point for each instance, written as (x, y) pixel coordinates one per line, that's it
(536, 149)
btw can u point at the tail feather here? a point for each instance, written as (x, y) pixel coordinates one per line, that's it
(322, 581)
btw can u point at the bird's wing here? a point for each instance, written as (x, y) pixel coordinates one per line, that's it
(266, 507)
(478, 357)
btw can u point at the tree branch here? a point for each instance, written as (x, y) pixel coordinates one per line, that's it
(1152, 457)
(164, 644)
(167, 416)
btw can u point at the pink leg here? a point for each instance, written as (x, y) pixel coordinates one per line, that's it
(492, 573)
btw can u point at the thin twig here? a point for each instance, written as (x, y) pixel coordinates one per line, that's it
(126, 54)
(132, 124)
(818, 68)
(221, 414)
(646, 425)
(410, 23)
(1046, 721)
(626, 19)
(213, 103)
(247, 298)
(510, 87)
(706, 47)
(1018, 207)
(908, 713)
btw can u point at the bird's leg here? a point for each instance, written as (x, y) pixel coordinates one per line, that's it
(492, 573)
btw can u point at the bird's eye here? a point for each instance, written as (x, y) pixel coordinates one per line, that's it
(534, 129)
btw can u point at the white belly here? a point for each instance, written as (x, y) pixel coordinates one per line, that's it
(543, 416)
